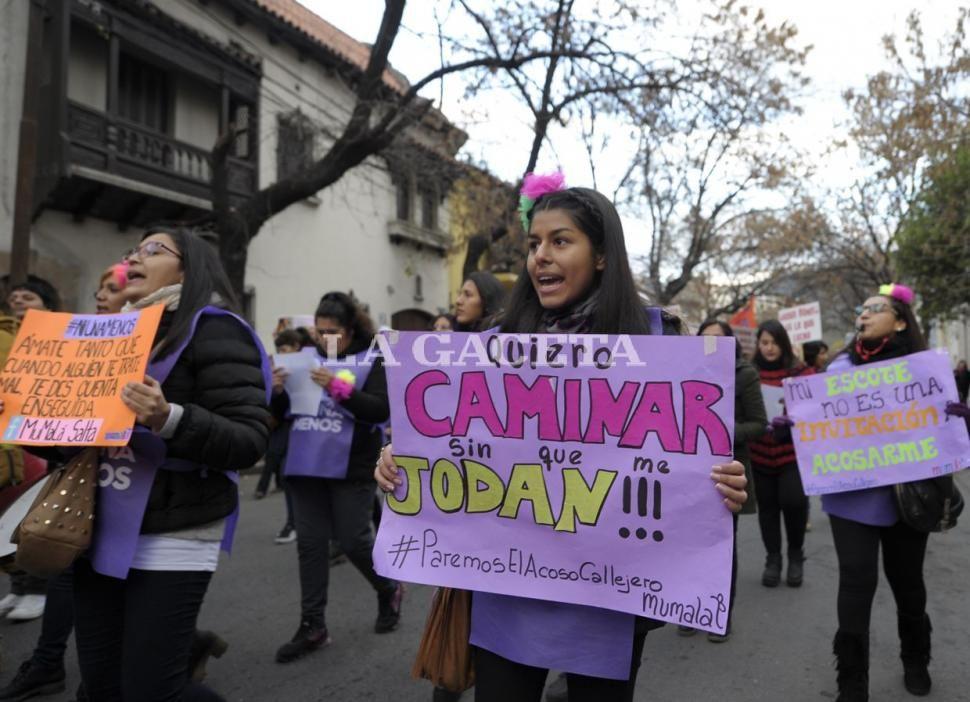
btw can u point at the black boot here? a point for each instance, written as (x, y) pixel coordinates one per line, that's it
(205, 645)
(772, 575)
(914, 639)
(389, 609)
(33, 680)
(440, 694)
(852, 662)
(795, 568)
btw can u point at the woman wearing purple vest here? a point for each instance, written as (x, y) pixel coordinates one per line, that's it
(577, 279)
(168, 500)
(863, 520)
(328, 469)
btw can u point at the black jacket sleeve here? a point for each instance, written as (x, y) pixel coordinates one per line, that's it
(370, 404)
(751, 419)
(219, 383)
(370, 407)
(279, 405)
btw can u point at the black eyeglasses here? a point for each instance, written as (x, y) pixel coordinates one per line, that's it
(150, 248)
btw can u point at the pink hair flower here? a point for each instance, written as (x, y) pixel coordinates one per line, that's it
(120, 273)
(899, 292)
(534, 186)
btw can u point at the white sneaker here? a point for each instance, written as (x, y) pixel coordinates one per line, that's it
(9, 602)
(29, 607)
(287, 535)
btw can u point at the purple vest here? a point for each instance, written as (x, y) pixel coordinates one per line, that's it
(320, 446)
(126, 476)
(556, 635)
(873, 506)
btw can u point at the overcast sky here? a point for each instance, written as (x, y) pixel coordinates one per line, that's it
(846, 36)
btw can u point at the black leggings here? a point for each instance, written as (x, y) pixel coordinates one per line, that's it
(58, 622)
(340, 510)
(498, 679)
(22, 583)
(857, 547)
(134, 636)
(779, 493)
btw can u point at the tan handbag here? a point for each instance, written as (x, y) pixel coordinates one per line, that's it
(444, 654)
(59, 525)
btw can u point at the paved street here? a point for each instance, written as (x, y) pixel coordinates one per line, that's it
(781, 649)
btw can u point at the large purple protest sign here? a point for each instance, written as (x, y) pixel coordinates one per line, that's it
(876, 424)
(569, 468)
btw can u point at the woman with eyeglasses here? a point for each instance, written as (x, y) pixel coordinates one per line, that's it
(171, 500)
(329, 465)
(777, 484)
(864, 520)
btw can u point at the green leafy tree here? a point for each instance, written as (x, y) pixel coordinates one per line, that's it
(934, 239)
(907, 117)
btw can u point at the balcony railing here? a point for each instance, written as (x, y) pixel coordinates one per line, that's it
(118, 147)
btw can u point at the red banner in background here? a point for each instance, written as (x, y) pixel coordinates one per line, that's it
(745, 317)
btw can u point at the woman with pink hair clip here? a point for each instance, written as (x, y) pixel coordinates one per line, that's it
(861, 520)
(576, 280)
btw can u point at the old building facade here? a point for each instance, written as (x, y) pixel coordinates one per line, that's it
(132, 95)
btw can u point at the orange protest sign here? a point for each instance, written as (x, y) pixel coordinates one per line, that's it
(61, 383)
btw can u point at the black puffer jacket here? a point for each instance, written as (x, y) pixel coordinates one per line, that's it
(218, 381)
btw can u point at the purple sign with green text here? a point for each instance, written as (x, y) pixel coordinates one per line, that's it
(571, 468)
(876, 424)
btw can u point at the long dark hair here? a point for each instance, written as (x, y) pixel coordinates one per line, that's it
(619, 310)
(204, 282)
(780, 335)
(911, 338)
(725, 331)
(811, 351)
(492, 294)
(350, 315)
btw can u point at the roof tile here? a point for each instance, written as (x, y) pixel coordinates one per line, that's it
(327, 35)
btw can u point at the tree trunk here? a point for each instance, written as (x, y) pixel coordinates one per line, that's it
(234, 250)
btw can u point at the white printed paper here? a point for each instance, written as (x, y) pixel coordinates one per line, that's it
(305, 395)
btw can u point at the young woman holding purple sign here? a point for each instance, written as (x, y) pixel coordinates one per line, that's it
(863, 519)
(168, 500)
(577, 279)
(328, 469)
